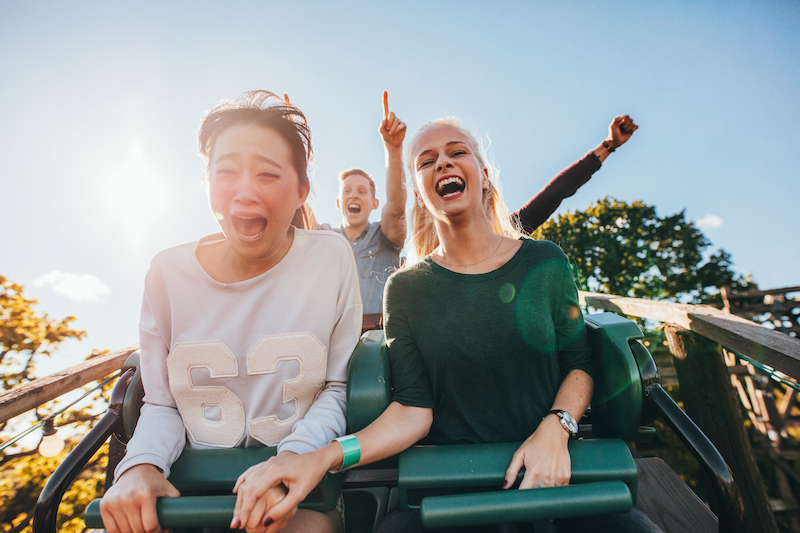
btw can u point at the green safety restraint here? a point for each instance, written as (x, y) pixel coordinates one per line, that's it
(205, 478)
(459, 485)
(452, 485)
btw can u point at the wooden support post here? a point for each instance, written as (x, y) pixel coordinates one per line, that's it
(709, 399)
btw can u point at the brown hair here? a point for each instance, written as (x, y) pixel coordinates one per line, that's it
(265, 109)
(304, 218)
(358, 172)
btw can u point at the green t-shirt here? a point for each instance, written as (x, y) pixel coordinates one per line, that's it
(487, 351)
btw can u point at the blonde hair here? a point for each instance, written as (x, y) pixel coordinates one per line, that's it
(424, 238)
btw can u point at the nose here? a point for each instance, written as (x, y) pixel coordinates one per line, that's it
(444, 164)
(245, 192)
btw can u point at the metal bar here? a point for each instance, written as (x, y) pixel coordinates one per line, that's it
(729, 500)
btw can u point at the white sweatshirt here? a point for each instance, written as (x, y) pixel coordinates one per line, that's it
(258, 362)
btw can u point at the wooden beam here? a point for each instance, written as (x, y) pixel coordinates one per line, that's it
(710, 401)
(751, 294)
(40, 391)
(772, 348)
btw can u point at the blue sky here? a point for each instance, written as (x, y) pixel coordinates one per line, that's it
(101, 101)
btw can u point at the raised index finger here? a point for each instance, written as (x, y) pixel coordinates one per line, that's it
(385, 103)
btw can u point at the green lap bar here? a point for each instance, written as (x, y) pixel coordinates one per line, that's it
(216, 471)
(449, 483)
(525, 505)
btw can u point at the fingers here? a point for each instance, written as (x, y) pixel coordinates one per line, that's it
(149, 518)
(393, 130)
(283, 511)
(129, 506)
(625, 124)
(256, 516)
(276, 525)
(242, 478)
(513, 470)
(385, 103)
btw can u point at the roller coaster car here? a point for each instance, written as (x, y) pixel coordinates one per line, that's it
(454, 485)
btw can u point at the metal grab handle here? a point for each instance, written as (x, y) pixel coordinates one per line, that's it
(731, 512)
(45, 514)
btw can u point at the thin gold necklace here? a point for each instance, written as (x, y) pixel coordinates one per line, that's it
(476, 262)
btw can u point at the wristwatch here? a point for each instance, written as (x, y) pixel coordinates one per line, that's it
(567, 422)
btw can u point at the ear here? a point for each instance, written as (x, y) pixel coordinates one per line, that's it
(337, 204)
(305, 189)
(375, 203)
(486, 182)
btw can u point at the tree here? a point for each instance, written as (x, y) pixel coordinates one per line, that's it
(25, 337)
(628, 250)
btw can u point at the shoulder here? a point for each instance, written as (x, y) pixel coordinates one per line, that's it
(327, 227)
(411, 277)
(326, 246)
(321, 239)
(543, 250)
(179, 254)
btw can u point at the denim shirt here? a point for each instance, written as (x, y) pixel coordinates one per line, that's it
(376, 259)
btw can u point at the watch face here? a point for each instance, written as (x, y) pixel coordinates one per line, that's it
(569, 422)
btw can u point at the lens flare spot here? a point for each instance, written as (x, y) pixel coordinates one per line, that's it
(574, 312)
(218, 215)
(507, 292)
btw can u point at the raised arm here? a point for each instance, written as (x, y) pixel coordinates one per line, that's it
(393, 216)
(539, 208)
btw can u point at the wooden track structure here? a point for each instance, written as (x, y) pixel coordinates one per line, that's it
(701, 340)
(773, 417)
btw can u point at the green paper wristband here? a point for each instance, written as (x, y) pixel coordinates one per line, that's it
(351, 449)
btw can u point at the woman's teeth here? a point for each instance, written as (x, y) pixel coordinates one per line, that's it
(449, 187)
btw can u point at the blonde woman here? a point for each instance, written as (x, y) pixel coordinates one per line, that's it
(485, 337)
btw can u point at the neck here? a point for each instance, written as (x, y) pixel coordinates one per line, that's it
(227, 266)
(352, 232)
(467, 242)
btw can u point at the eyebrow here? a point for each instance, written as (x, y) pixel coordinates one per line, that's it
(236, 155)
(446, 145)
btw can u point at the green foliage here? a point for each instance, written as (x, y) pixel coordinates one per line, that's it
(26, 336)
(22, 480)
(628, 250)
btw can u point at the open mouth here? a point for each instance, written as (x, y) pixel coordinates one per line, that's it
(249, 227)
(448, 187)
(354, 208)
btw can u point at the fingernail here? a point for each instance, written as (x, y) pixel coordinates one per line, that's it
(506, 484)
(267, 522)
(235, 523)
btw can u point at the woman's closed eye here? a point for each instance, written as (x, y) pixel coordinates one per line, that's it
(224, 173)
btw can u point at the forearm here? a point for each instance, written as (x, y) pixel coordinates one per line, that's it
(604, 149)
(393, 221)
(158, 440)
(544, 203)
(574, 393)
(398, 428)
(324, 421)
